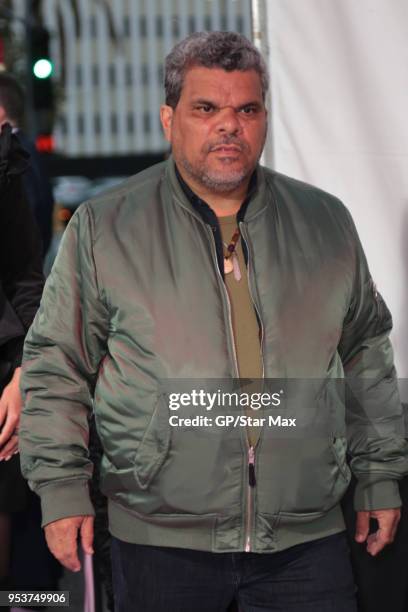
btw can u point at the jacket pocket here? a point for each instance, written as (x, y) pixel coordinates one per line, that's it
(299, 476)
(307, 474)
(154, 446)
(179, 470)
(185, 469)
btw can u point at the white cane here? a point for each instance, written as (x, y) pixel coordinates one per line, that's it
(89, 594)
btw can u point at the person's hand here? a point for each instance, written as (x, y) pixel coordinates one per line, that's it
(387, 527)
(10, 410)
(62, 538)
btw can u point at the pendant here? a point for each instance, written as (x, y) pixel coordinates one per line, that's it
(228, 265)
(235, 267)
(232, 265)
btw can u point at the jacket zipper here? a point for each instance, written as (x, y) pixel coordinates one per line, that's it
(251, 449)
(251, 485)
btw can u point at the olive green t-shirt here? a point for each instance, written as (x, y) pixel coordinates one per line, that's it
(244, 321)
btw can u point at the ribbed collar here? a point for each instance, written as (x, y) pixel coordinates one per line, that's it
(201, 205)
(253, 203)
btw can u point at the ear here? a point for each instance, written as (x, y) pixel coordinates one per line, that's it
(166, 118)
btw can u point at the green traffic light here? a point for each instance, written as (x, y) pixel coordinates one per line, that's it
(42, 68)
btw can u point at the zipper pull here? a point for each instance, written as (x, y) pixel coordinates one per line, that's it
(251, 467)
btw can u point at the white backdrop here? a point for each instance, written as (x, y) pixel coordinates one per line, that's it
(339, 92)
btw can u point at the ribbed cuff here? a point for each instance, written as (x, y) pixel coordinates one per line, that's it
(63, 499)
(372, 494)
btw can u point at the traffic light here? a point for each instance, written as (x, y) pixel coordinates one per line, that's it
(41, 68)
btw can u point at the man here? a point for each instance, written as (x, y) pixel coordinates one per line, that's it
(143, 291)
(36, 181)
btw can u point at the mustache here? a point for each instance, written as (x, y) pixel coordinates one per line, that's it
(226, 140)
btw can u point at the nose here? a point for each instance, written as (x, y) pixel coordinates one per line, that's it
(228, 121)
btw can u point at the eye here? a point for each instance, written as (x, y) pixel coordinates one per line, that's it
(206, 109)
(249, 110)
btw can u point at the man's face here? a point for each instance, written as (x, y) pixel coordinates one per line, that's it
(217, 130)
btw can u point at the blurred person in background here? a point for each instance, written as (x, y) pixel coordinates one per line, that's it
(35, 180)
(21, 284)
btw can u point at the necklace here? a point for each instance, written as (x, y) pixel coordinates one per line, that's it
(231, 259)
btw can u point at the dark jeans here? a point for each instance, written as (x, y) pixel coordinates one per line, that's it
(311, 577)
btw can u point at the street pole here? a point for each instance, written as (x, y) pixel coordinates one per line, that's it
(30, 115)
(260, 37)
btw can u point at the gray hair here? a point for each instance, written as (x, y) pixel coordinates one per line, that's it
(226, 50)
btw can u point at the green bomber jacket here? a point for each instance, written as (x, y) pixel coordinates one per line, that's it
(136, 298)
